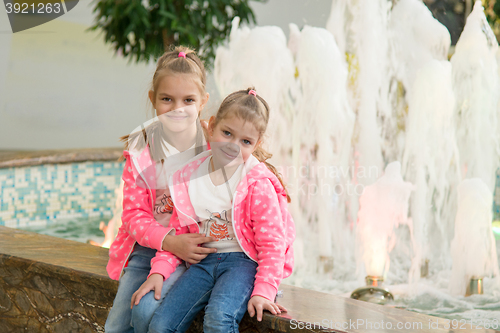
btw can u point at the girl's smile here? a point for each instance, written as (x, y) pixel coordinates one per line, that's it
(178, 101)
(232, 139)
(176, 115)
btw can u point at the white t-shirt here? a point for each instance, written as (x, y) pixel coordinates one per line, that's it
(213, 205)
(164, 205)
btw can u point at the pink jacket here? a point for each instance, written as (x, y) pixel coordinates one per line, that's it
(138, 222)
(263, 226)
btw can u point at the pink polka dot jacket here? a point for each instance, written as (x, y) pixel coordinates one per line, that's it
(138, 222)
(263, 226)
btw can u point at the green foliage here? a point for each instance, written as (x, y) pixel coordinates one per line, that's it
(492, 12)
(145, 29)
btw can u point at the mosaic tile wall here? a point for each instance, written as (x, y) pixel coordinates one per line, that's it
(42, 194)
(38, 195)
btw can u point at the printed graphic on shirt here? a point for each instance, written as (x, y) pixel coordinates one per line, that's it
(219, 226)
(166, 205)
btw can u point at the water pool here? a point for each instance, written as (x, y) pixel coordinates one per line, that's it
(80, 230)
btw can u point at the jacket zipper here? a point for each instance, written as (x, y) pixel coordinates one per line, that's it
(172, 194)
(236, 234)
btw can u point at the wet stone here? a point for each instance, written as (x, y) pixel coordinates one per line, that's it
(22, 301)
(55, 285)
(5, 302)
(66, 324)
(49, 286)
(40, 301)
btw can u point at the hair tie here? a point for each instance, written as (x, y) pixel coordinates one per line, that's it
(252, 92)
(182, 54)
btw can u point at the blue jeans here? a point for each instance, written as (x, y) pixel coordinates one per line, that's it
(221, 283)
(120, 316)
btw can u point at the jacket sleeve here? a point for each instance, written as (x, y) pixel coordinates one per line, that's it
(137, 217)
(269, 238)
(165, 262)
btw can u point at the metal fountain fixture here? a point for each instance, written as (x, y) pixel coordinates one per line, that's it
(475, 286)
(373, 291)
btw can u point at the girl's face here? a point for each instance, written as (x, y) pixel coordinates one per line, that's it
(178, 101)
(233, 139)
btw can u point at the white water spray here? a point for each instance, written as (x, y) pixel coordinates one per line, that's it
(383, 207)
(323, 127)
(476, 85)
(403, 100)
(473, 248)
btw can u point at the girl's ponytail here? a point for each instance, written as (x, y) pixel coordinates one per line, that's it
(262, 155)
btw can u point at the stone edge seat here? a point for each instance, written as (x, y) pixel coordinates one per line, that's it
(9, 159)
(49, 284)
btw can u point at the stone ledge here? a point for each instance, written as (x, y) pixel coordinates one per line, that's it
(49, 284)
(9, 159)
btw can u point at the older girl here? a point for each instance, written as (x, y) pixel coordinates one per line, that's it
(153, 152)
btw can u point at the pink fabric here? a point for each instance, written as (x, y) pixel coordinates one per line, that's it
(182, 54)
(263, 226)
(138, 223)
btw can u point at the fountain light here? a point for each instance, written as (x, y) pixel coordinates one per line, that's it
(475, 286)
(373, 292)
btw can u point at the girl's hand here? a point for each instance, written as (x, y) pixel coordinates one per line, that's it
(257, 304)
(185, 246)
(154, 282)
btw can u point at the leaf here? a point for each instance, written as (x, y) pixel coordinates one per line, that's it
(191, 21)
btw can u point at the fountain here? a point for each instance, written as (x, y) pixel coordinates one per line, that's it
(383, 207)
(473, 247)
(375, 87)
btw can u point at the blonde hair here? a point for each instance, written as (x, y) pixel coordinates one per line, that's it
(170, 63)
(254, 109)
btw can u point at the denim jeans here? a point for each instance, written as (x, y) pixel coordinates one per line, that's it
(120, 316)
(221, 283)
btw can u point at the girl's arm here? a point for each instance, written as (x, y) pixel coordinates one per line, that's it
(269, 237)
(163, 265)
(138, 220)
(137, 217)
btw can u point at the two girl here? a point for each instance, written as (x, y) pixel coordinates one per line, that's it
(153, 153)
(232, 195)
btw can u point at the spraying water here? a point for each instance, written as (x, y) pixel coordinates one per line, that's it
(475, 81)
(383, 207)
(395, 98)
(414, 37)
(430, 161)
(473, 248)
(323, 127)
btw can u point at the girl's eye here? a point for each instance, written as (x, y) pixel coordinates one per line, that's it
(247, 142)
(189, 100)
(166, 99)
(226, 133)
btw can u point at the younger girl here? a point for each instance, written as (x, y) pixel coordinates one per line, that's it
(228, 194)
(153, 152)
